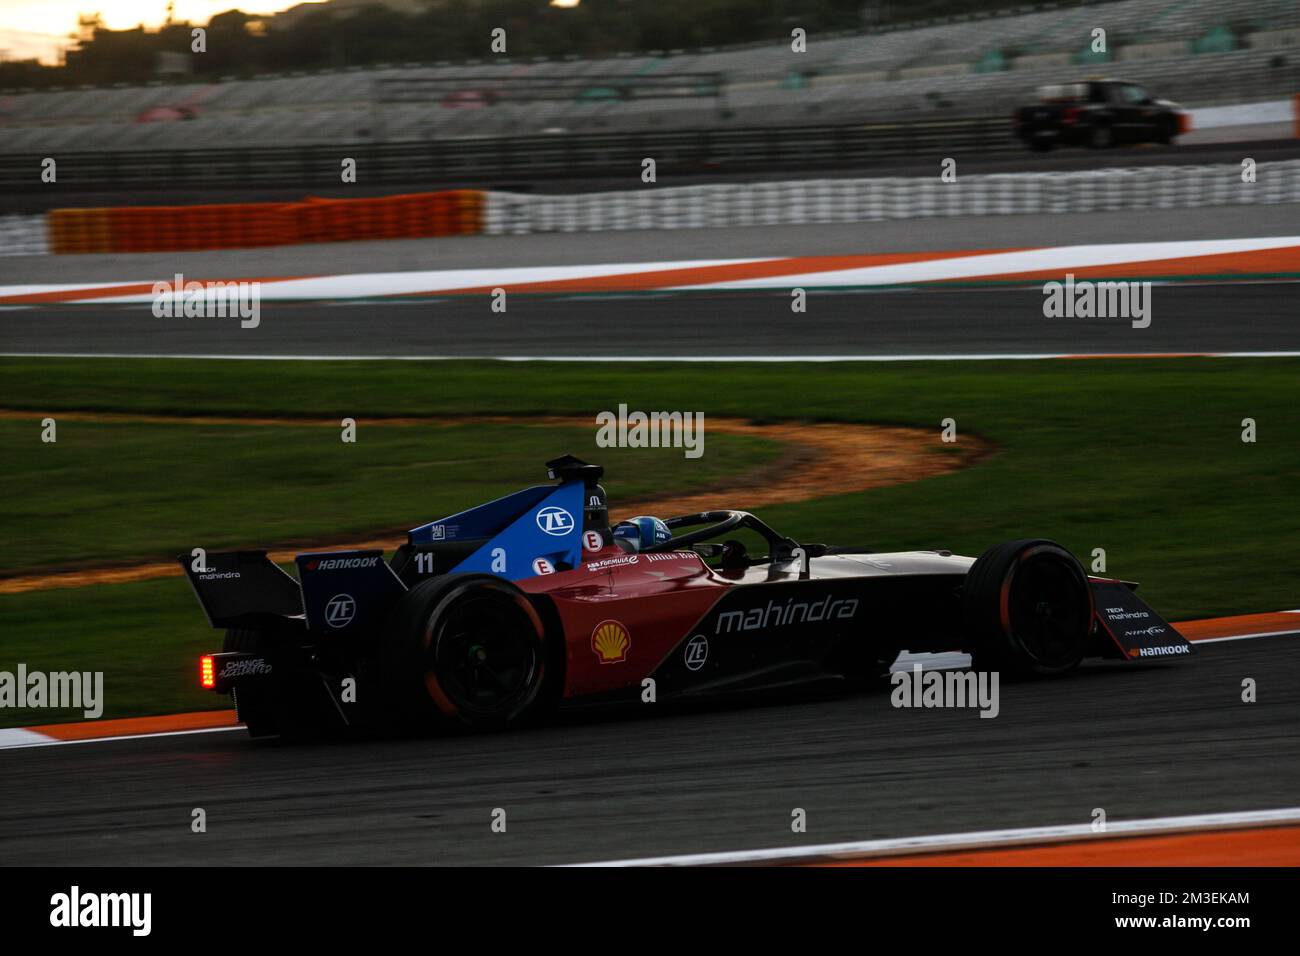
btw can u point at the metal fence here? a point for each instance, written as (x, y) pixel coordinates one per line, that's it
(487, 161)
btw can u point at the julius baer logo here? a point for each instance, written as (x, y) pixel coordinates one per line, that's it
(76, 909)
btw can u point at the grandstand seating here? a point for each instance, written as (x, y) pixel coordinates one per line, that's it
(963, 67)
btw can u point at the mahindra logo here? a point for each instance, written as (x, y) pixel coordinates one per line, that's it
(777, 614)
(555, 521)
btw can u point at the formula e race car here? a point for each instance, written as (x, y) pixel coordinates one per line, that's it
(501, 613)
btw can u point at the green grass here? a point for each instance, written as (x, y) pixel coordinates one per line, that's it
(143, 636)
(1141, 458)
(109, 492)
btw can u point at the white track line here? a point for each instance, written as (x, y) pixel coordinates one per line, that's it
(981, 839)
(20, 737)
(977, 357)
(20, 743)
(1243, 637)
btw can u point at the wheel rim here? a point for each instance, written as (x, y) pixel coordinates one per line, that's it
(1049, 610)
(484, 655)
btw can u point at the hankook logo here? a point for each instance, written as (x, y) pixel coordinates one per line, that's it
(338, 564)
(1162, 651)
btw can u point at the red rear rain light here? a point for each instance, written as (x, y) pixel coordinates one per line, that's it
(207, 673)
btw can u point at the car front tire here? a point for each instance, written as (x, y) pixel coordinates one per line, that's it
(1028, 609)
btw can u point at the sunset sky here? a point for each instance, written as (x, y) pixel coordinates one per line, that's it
(38, 28)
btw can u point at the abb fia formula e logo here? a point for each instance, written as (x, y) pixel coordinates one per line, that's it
(555, 521)
(340, 610)
(611, 642)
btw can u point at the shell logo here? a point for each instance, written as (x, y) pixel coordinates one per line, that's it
(610, 641)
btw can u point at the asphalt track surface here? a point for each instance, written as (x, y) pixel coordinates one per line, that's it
(1255, 317)
(1138, 740)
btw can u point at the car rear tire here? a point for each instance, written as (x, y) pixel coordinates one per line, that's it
(467, 650)
(1028, 609)
(1101, 137)
(257, 706)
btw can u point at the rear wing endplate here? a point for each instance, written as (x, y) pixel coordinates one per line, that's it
(242, 588)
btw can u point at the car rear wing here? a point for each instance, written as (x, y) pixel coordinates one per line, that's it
(242, 588)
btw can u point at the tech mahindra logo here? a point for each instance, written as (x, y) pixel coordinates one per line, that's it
(777, 614)
(1119, 614)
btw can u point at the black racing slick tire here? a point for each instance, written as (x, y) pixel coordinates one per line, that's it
(1028, 609)
(466, 650)
(257, 708)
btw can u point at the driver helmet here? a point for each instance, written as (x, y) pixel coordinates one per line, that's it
(641, 532)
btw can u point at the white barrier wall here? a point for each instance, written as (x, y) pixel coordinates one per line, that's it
(23, 236)
(844, 200)
(863, 200)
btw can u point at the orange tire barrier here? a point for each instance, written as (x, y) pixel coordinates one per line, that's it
(457, 212)
(79, 230)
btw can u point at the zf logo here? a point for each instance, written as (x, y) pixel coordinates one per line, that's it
(555, 521)
(697, 652)
(340, 610)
